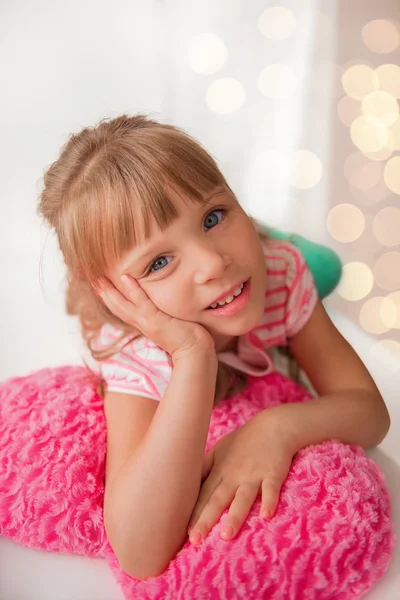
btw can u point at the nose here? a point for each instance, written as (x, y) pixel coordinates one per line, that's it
(209, 263)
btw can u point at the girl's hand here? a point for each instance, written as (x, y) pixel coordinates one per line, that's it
(254, 459)
(134, 307)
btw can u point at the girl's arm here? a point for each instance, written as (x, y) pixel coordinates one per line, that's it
(149, 499)
(256, 457)
(350, 408)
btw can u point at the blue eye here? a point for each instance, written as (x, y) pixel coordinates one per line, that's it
(158, 264)
(210, 220)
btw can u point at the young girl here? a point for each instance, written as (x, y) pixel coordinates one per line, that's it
(179, 296)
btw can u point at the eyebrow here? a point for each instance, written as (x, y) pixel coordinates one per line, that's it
(151, 251)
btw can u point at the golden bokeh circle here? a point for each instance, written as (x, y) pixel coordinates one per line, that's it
(357, 281)
(225, 95)
(345, 223)
(369, 134)
(381, 105)
(388, 79)
(359, 80)
(391, 174)
(377, 315)
(386, 226)
(395, 297)
(382, 154)
(394, 136)
(380, 36)
(387, 271)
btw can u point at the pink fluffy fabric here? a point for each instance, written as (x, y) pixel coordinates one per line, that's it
(332, 536)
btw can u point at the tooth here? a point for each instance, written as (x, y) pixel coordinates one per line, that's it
(241, 286)
(229, 299)
(214, 305)
(237, 291)
(221, 302)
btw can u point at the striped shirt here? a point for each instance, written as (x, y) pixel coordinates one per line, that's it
(144, 369)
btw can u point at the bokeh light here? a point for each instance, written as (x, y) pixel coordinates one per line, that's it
(382, 154)
(388, 79)
(386, 226)
(360, 80)
(395, 297)
(380, 36)
(207, 53)
(394, 136)
(381, 105)
(369, 134)
(391, 174)
(277, 81)
(306, 169)
(345, 223)
(277, 23)
(387, 271)
(225, 95)
(357, 281)
(378, 315)
(360, 172)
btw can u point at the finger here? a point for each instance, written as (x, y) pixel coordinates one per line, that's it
(117, 303)
(136, 294)
(208, 463)
(270, 490)
(131, 305)
(218, 502)
(206, 491)
(100, 285)
(239, 510)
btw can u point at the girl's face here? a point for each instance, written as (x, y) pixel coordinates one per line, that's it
(205, 253)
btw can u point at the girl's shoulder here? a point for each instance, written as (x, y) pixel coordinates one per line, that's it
(282, 256)
(290, 296)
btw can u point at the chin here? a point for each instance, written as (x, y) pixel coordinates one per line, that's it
(239, 326)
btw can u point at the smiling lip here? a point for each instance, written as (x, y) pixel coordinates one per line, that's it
(228, 292)
(238, 304)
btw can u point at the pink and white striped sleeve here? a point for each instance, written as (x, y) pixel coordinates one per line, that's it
(302, 293)
(140, 368)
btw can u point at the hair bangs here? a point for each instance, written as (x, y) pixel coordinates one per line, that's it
(127, 185)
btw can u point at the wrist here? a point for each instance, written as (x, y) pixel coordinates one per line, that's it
(279, 424)
(196, 354)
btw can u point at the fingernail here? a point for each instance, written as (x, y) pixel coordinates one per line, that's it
(124, 278)
(196, 537)
(227, 532)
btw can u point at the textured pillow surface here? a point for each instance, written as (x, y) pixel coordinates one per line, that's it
(331, 538)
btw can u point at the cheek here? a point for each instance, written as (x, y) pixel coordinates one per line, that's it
(169, 297)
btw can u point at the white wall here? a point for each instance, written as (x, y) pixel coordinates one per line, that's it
(67, 65)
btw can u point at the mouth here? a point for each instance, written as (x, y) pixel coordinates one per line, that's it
(233, 303)
(228, 298)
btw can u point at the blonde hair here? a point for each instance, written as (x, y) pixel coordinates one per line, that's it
(99, 196)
